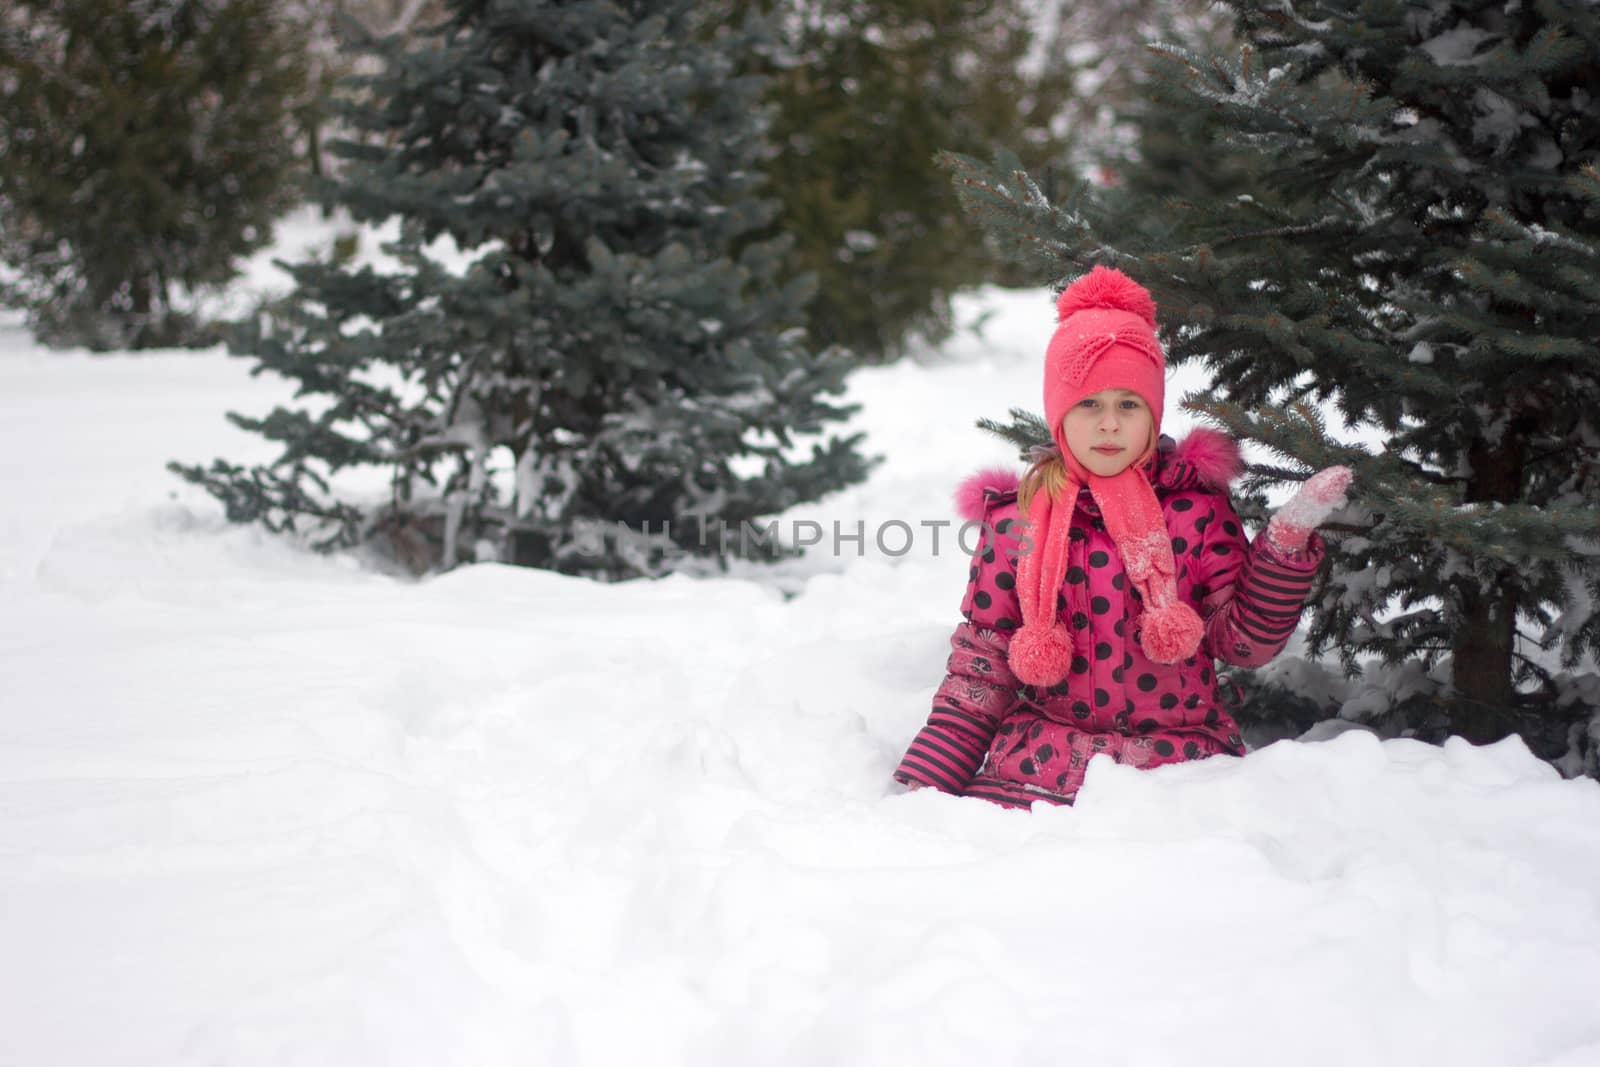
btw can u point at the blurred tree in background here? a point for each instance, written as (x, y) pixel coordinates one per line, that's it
(1419, 249)
(575, 361)
(143, 148)
(330, 61)
(1117, 135)
(1148, 145)
(867, 91)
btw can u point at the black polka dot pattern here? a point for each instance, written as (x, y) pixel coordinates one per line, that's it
(1113, 698)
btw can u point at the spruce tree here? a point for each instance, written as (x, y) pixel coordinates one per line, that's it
(600, 384)
(143, 149)
(1422, 254)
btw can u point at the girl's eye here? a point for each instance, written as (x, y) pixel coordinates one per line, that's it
(1131, 405)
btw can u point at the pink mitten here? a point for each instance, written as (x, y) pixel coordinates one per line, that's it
(1291, 525)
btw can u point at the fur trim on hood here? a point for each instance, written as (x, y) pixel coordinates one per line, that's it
(1206, 459)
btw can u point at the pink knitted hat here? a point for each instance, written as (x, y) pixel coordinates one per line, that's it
(1105, 340)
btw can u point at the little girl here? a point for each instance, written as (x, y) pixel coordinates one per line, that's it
(1108, 581)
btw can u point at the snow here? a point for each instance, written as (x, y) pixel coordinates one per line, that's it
(1456, 46)
(263, 807)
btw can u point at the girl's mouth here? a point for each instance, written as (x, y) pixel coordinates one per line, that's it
(1106, 450)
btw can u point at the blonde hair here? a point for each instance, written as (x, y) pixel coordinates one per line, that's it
(1048, 474)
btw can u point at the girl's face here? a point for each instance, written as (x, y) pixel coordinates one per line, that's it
(1108, 431)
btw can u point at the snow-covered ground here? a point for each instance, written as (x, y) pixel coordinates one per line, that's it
(264, 807)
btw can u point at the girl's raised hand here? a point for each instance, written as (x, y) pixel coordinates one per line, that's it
(1290, 527)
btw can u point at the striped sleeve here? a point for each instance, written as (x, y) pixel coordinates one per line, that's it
(979, 689)
(1256, 592)
(977, 692)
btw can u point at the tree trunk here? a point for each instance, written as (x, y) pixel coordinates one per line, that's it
(313, 131)
(136, 322)
(1485, 640)
(1483, 648)
(139, 296)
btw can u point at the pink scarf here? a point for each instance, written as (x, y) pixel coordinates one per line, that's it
(1040, 652)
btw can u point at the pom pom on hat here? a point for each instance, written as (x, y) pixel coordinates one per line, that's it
(1106, 287)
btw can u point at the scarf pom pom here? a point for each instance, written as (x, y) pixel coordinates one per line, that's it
(1171, 633)
(1040, 656)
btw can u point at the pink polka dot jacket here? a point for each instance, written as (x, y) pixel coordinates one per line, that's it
(992, 737)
